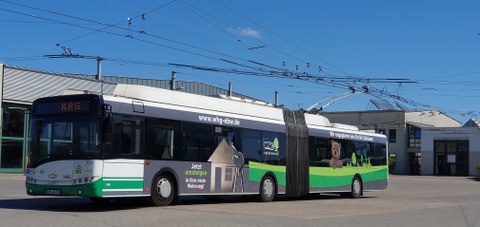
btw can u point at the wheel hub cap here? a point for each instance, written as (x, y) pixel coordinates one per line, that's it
(164, 188)
(268, 188)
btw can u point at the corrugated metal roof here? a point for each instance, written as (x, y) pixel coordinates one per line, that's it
(189, 87)
(20, 85)
(472, 123)
(26, 85)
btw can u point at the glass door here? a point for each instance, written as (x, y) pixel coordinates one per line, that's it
(415, 163)
(13, 139)
(451, 157)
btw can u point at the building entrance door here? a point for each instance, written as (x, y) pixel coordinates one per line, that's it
(451, 157)
(13, 139)
(415, 163)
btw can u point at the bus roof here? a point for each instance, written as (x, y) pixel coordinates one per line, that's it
(222, 105)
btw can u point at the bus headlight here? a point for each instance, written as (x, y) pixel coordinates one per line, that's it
(31, 180)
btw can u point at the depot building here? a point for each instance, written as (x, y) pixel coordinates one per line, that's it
(421, 142)
(453, 151)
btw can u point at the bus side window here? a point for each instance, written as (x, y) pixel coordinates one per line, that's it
(125, 143)
(197, 141)
(163, 139)
(252, 145)
(162, 143)
(126, 138)
(380, 155)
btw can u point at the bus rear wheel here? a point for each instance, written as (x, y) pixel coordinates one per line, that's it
(267, 189)
(163, 191)
(356, 188)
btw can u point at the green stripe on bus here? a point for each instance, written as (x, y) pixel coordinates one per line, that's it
(338, 181)
(108, 183)
(321, 176)
(345, 171)
(258, 170)
(123, 178)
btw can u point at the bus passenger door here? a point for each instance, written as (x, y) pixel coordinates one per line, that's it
(123, 173)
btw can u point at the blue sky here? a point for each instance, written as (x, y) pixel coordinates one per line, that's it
(434, 43)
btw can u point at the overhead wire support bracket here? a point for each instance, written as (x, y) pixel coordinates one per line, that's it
(336, 98)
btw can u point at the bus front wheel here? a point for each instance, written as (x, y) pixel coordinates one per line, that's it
(163, 191)
(267, 189)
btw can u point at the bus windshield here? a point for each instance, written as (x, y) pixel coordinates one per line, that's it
(56, 138)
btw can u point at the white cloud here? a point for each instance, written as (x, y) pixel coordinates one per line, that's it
(248, 32)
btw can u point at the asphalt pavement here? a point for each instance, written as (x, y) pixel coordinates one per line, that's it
(409, 201)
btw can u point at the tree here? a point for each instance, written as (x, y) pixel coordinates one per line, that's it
(391, 164)
(478, 166)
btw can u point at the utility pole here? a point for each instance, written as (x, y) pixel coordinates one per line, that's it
(99, 59)
(230, 89)
(99, 68)
(172, 81)
(276, 99)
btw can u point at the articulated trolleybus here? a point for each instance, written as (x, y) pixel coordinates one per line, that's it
(161, 144)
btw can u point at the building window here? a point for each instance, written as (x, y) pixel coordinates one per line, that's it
(414, 136)
(392, 135)
(381, 131)
(13, 122)
(12, 137)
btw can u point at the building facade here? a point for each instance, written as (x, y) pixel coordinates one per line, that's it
(403, 129)
(452, 151)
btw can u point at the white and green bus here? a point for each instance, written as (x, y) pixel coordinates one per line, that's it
(162, 144)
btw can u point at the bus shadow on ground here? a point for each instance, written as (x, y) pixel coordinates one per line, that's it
(66, 205)
(475, 178)
(85, 205)
(255, 199)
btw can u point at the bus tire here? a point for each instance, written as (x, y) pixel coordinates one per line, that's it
(356, 188)
(163, 191)
(268, 189)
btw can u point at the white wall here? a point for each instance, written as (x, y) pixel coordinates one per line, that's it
(431, 117)
(429, 135)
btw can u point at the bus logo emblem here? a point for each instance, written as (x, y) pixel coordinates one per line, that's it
(52, 176)
(78, 169)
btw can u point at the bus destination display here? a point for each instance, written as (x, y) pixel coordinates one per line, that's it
(63, 107)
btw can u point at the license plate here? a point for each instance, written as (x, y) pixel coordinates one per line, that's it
(52, 192)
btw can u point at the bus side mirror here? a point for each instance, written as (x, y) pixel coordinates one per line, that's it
(108, 117)
(107, 108)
